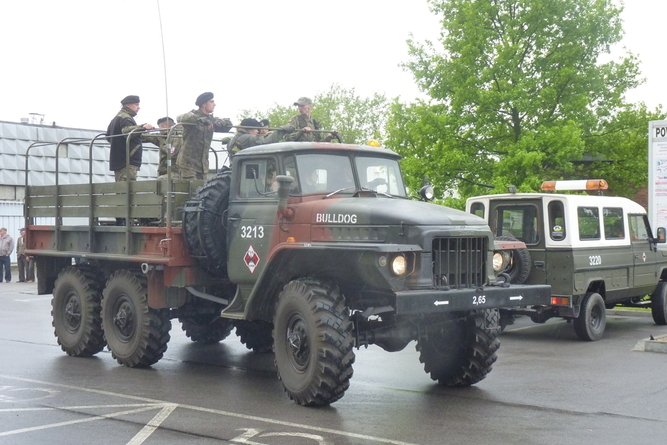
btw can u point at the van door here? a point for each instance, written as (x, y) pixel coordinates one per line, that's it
(645, 257)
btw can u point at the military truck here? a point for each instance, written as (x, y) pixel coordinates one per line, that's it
(307, 249)
(595, 251)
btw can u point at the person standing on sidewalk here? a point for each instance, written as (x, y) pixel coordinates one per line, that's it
(25, 263)
(6, 248)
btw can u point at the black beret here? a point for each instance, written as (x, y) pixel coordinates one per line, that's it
(250, 122)
(130, 100)
(203, 98)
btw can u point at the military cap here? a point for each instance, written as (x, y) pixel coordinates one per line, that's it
(203, 98)
(303, 101)
(250, 122)
(165, 119)
(130, 100)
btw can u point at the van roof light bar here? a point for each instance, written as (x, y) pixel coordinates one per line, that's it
(580, 184)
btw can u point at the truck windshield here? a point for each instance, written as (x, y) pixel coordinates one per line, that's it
(327, 173)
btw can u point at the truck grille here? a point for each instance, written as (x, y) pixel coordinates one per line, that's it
(459, 262)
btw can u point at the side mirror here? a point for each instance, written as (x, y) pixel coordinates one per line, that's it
(284, 185)
(426, 193)
(662, 235)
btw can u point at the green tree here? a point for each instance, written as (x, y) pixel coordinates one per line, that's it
(516, 87)
(356, 119)
(618, 150)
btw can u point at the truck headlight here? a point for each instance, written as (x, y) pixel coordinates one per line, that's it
(500, 261)
(399, 265)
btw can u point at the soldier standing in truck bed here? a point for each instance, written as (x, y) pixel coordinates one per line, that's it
(124, 123)
(168, 148)
(247, 135)
(198, 128)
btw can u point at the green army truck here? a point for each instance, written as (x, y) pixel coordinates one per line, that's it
(594, 251)
(307, 249)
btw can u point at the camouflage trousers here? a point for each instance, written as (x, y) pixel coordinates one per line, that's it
(126, 173)
(190, 173)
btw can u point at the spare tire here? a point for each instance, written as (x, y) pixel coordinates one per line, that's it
(204, 224)
(519, 267)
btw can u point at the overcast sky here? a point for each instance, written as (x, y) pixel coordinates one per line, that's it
(73, 60)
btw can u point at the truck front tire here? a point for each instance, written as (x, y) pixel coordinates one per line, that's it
(136, 334)
(75, 309)
(464, 352)
(592, 319)
(313, 342)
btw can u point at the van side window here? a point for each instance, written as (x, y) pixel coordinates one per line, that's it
(556, 220)
(477, 208)
(638, 229)
(589, 223)
(612, 221)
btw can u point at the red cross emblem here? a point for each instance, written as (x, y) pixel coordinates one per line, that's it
(251, 259)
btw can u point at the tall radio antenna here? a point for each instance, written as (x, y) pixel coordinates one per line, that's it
(164, 60)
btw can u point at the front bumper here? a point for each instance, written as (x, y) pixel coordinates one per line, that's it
(429, 301)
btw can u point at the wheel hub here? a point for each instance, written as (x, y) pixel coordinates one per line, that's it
(73, 313)
(297, 340)
(124, 320)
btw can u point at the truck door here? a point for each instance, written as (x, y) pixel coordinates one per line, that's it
(645, 257)
(251, 219)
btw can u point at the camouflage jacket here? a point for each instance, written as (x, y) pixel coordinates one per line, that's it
(301, 121)
(124, 123)
(173, 147)
(198, 129)
(243, 140)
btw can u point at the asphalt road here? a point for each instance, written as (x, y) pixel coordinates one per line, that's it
(546, 388)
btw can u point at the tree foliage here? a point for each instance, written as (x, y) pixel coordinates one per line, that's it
(517, 92)
(356, 119)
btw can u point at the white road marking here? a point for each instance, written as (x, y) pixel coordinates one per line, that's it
(518, 297)
(29, 300)
(252, 432)
(211, 411)
(74, 422)
(153, 424)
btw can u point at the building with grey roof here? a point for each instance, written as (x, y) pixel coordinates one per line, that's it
(72, 156)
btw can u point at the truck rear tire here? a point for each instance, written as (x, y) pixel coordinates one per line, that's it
(659, 304)
(206, 329)
(463, 354)
(136, 334)
(313, 342)
(255, 335)
(75, 309)
(204, 224)
(592, 319)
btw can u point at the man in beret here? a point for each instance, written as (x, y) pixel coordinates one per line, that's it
(122, 124)
(198, 128)
(248, 135)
